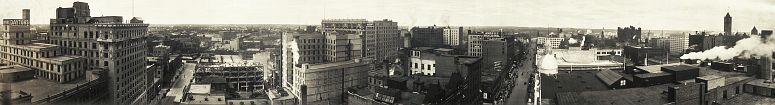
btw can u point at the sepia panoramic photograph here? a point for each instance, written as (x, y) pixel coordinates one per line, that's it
(387, 52)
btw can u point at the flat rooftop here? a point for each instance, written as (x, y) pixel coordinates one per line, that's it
(199, 89)
(679, 67)
(13, 68)
(63, 58)
(570, 81)
(709, 77)
(467, 60)
(761, 83)
(248, 102)
(422, 48)
(326, 66)
(655, 68)
(631, 96)
(41, 88)
(749, 99)
(275, 94)
(38, 46)
(649, 75)
(443, 49)
(205, 100)
(731, 80)
(705, 71)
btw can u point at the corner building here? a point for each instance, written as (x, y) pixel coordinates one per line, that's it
(16, 48)
(109, 45)
(320, 66)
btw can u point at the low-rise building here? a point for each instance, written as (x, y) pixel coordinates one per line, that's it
(281, 97)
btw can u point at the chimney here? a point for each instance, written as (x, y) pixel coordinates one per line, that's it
(26, 14)
(765, 71)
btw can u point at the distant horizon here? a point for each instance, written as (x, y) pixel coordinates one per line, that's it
(592, 14)
(458, 26)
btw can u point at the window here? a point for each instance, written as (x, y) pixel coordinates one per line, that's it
(622, 83)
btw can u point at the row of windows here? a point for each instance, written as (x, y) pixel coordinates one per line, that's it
(104, 34)
(60, 78)
(43, 65)
(25, 53)
(424, 67)
(310, 40)
(75, 44)
(609, 52)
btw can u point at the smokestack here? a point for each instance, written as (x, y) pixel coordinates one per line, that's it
(26, 14)
(765, 71)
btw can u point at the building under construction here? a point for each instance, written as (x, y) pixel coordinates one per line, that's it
(240, 75)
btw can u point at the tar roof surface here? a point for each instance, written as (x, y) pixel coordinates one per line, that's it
(749, 99)
(679, 67)
(649, 75)
(632, 96)
(13, 68)
(570, 81)
(40, 88)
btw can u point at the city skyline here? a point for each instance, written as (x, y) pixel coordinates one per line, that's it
(696, 15)
(495, 52)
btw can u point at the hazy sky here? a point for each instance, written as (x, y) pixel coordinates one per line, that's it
(648, 14)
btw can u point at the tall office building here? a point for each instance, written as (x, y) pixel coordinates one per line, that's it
(674, 44)
(476, 41)
(47, 60)
(552, 42)
(319, 67)
(727, 24)
(381, 38)
(452, 36)
(497, 55)
(427, 37)
(108, 44)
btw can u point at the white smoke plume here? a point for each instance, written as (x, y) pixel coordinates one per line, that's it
(572, 41)
(751, 47)
(295, 50)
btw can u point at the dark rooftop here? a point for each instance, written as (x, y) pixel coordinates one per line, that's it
(632, 96)
(41, 88)
(749, 99)
(678, 68)
(649, 75)
(570, 81)
(467, 60)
